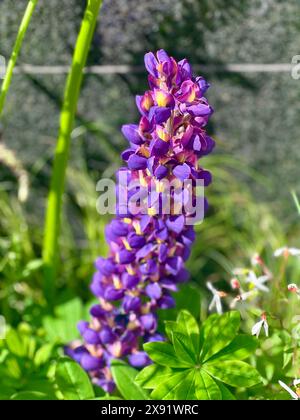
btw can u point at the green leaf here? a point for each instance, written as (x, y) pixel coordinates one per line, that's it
(43, 354)
(186, 390)
(62, 327)
(183, 350)
(171, 326)
(217, 332)
(30, 396)
(233, 373)
(163, 354)
(124, 376)
(72, 381)
(226, 394)
(205, 387)
(153, 375)
(167, 389)
(188, 326)
(15, 343)
(240, 348)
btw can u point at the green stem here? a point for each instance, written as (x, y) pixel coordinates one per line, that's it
(72, 90)
(16, 51)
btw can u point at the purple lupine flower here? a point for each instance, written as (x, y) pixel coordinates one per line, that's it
(146, 261)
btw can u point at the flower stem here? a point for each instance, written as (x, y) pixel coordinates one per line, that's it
(16, 51)
(72, 90)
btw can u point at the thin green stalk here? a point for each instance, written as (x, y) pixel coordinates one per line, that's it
(16, 51)
(72, 90)
(296, 200)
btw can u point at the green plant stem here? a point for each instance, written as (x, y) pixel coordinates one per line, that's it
(72, 90)
(16, 51)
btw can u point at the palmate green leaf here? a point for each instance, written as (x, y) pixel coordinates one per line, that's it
(233, 372)
(170, 327)
(240, 348)
(153, 375)
(167, 389)
(183, 350)
(186, 389)
(163, 354)
(226, 394)
(124, 377)
(205, 387)
(72, 381)
(187, 325)
(217, 332)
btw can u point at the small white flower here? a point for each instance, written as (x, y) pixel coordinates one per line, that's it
(216, 300)
(258, 282)
(256, 260)
(293, 288)
(286, 252)
(263, 323)
(293, 394)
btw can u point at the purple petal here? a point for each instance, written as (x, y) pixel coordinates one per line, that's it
(89, 362)
(136, 241)
(90, 336)
(182, 172)
(139, 359)
(174, 265)
(176, 225)
(161, 172)
(126, 257)
(159, 147)
(82, 326)
(151, 63)
(166, 302)
(136, 162)
(153, 290)
(131, 303)
(149, 322)
(130, 281)
(105, 266)
(131, 133)
(200, 110)
(162, 56)
(107, 336)
(111, 293)
(159, 114)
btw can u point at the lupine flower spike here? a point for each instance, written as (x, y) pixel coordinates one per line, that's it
(263, 323)
(147, 252)
(294, 394)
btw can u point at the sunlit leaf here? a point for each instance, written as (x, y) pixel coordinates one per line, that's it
(153, 375)
(124, 376)
(218, 332)
(234, 373)
(164, 354)
(72, 381)
(205, 387)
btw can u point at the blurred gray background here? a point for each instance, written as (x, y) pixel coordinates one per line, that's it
(257, 114)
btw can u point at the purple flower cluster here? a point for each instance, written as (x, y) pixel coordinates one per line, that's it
(147, 251)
